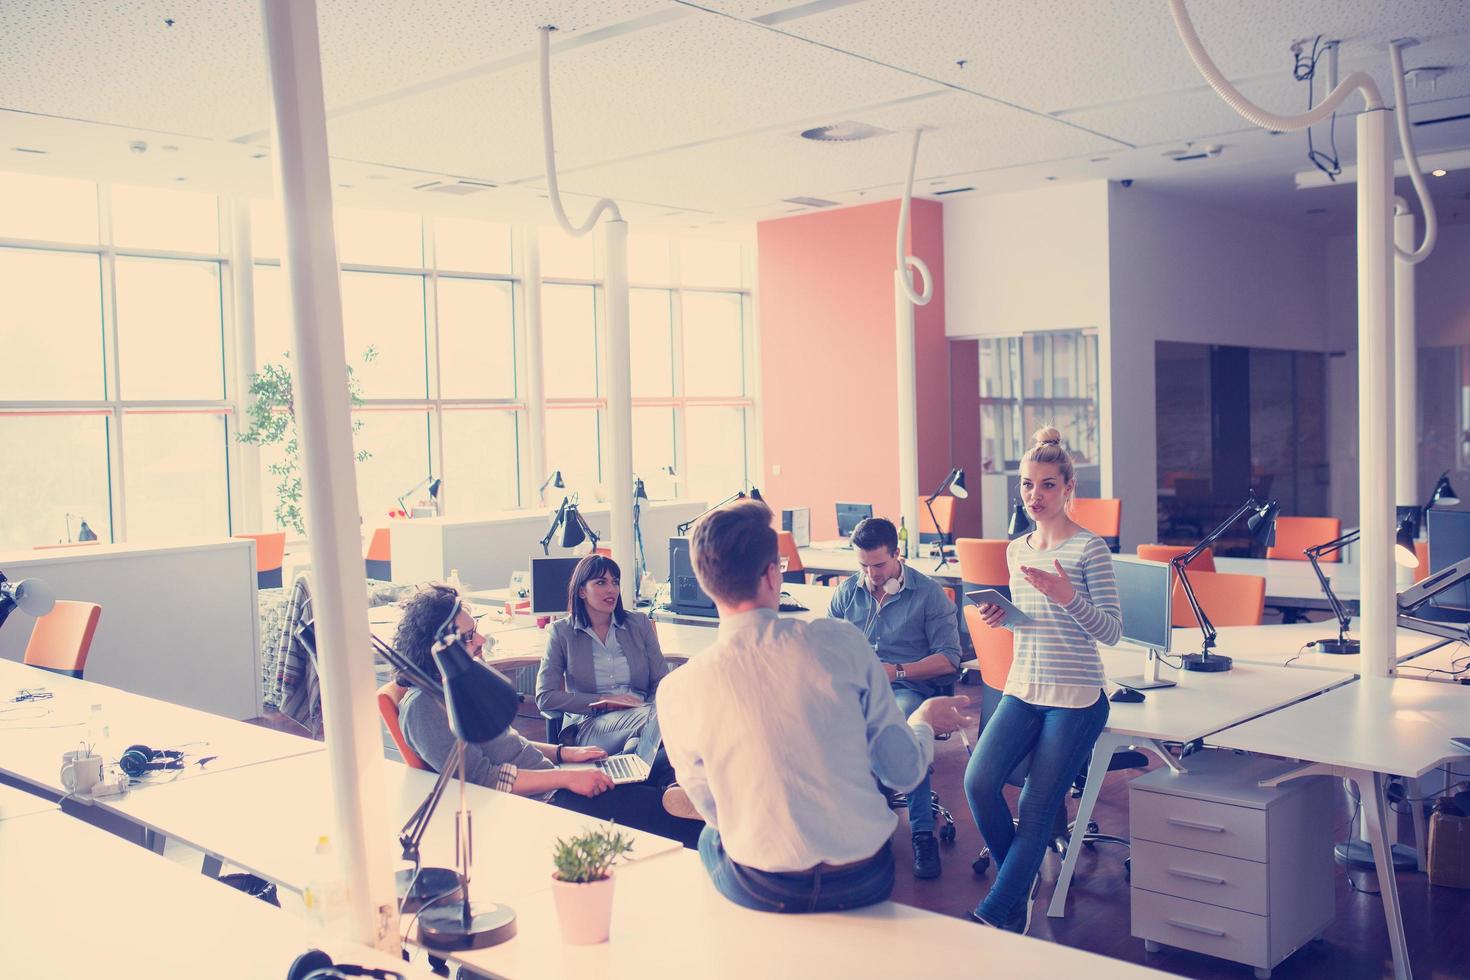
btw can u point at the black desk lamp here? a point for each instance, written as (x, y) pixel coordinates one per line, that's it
(1262, 525)
(1020, 522)
(30, 595)
(955, 484)
(640, 560)
(574, 527)
(1412, 518)
(683, 529)
(554, 480)
(481, 704)
(1402, 553)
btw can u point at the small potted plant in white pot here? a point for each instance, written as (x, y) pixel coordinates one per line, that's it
(583, 884)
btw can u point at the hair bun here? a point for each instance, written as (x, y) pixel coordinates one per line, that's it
(1047, 436)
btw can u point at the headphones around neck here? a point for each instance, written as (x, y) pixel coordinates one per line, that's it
(891, 587)
(140, 759)
(316, 965)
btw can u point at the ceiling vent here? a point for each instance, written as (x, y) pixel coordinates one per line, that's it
(810, 202)
(953, 190)
(843, 132)
(459, 188)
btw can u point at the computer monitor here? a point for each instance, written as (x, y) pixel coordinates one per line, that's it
(1449, 542)
(798, 520)
(550, 579)
(1146, 595)
(849, 516)
(685, 595)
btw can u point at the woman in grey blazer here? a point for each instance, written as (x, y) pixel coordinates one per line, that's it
(602, 664)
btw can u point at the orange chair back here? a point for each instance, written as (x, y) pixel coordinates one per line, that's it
(1295, 534)
(1421, 548)
(389, 696)
(943, 513)
(1203, 562)
(994, 648)
(61, 638)
(1229, 600)
(983, 561)
(380, 546)
(270, 550)
(786, 548)
(1102, 516)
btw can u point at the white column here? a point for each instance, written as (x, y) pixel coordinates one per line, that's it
(323, 418)
(1375, 393)
(908, 409)
(535, 364)
(1406, 373)
(620, 404)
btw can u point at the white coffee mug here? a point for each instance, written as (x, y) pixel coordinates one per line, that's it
(80, 771)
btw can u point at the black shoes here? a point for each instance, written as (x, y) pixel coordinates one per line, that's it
(926, 855)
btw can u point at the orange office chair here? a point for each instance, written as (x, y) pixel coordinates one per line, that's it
(1203, 562)
(1421, 548)
(270, 553)
(786, 548)
(1229, 600)
(390, 695)
(61, 639)
(378, 559)
(1102, 516)
(1295, 534)
(929, 530)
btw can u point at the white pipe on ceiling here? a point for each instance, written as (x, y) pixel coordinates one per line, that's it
(906, 365)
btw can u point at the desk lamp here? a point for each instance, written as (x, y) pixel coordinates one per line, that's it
(1420, 593)
(481, 704)
(554, 480)
(1412, 518)
(1021, 522)
(1262, 525)
(683, 529)
(574, 527)
(433, 485)
(30, 595)
(955, 484)
(1403, 553)
(640, 560)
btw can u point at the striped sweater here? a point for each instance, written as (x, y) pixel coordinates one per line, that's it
(1056, 661)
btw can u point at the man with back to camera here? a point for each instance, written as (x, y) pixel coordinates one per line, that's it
(777, 730)
(910, 622)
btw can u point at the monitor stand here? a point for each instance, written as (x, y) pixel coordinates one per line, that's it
(1150, 678)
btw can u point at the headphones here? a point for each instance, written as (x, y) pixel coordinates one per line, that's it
(140, 759)
(316, 965)
(891, 587)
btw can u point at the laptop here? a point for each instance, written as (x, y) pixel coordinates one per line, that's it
(635, 766)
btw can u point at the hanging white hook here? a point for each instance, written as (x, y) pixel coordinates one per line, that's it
(553, 192)
(905, 261)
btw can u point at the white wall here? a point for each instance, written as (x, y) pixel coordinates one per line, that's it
(1185, 272)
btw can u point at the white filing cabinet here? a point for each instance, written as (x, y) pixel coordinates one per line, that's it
(1225, 867)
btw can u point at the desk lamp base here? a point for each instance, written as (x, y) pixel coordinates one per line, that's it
(447, 928)
(1206, 663)
(1338, 646)
(431, 884)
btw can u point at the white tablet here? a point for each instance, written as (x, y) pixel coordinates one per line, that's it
(1014, 616)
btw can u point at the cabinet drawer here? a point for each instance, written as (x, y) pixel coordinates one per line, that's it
(1178, 922)
(1216, 879)
(1200, 825)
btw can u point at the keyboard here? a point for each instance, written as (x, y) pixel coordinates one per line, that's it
(626, 767)
(791, 605)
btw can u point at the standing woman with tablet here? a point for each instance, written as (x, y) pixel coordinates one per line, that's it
(1054, 707)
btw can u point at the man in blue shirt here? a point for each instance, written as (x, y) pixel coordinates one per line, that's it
(911, 623)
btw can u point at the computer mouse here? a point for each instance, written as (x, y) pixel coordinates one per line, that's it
(1127, 695)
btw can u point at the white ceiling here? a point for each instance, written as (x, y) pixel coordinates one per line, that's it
(687, 112)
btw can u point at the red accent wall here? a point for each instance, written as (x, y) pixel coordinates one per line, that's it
(829, 386)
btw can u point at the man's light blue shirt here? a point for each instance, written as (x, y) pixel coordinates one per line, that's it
(907, 627)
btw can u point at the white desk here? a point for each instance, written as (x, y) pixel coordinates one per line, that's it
(1450, 662)
(1293, 583)
(18, 803)
(110, 908)
(1278, 644)
(816, 598)
(179, 619)
(1365, 732)
(267, 818)
(843, 561)
(33, 739)
(669, 921)
(1200, 705)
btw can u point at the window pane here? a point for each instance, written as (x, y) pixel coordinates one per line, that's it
(52, 209)
(150, 217)
(399, 443)
(175, 476)
(477, 349)
(168, 325)
(715, 467)
(651, 330)
(379, 238)
(53, 465)
(481, 466)
(569, 341)
(648, 260)
(653, 448)
(565, 257)
(273, 338)
(385, 312)
(714, 350)
(50, 326)
(573, 446)
(706, 262)
(471, 246)
(267, 236)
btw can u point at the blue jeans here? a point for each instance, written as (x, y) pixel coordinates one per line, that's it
(1060, 740)
(921, 806)
(809, 891)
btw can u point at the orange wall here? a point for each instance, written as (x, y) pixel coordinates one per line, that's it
(829, 387)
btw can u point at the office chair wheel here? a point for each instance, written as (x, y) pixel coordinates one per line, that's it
(982, 863)
(944, 818)
(947, 833)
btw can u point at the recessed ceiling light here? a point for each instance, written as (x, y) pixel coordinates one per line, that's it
(1049, 178)
(1099, 159)
(1439, 173)
(29, 149)
(843, 132)
(181, 179)
(257, 156)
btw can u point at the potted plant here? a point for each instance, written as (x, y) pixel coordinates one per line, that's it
(583, 885)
